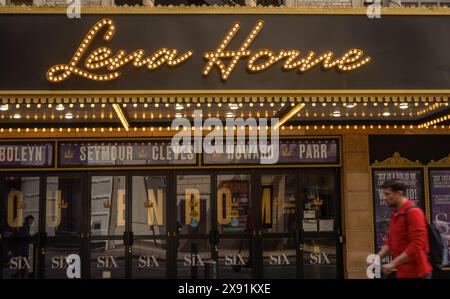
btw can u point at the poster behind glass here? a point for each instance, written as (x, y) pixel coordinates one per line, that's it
(412, 178)
(440, 206)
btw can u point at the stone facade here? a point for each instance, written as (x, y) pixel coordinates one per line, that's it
(357, 206)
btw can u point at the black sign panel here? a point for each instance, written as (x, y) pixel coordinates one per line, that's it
(122, 153)
(26, 154)
(304, 151)
(404, 53)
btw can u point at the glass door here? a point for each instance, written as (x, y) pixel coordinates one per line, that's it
(233, 225)
(214, 220)
(319, 199)
(20, 218)
(108, 225)
(193, 224)
(65, 226)
(300, 224)
(280, 225)
(149, 218)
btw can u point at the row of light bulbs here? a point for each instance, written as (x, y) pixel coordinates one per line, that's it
(230, 114)
(68, 69)
(435, 121)
(233, 106)
(348, 62)
(348, 104)
(283, 128)
(101, 57)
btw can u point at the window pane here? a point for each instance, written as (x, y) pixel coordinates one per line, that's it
(149, 258)
(319, 259)
(318, 194)
(107, 205)
(193, 204)
(63, 206)
(21, 206)
(19, 258)
(56, 253)
(233, 203)
(279, 258)
(235, 260)
(149, 205)
(192, 257)
(107, 259)
(278, 203)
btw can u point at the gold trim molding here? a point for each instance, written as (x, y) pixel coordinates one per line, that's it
(231, 96)
(397, 161)
(444, 162)
(233, 10)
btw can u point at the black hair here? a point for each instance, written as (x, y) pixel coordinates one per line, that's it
(395, 185)
(29, 217)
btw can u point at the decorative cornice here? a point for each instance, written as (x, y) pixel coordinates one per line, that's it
(397, 161)
(442, 162)
(224, 96)
(325, 10)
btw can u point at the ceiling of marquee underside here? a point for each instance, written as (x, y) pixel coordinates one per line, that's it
(146, 114)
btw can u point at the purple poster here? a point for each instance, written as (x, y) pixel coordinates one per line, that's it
(303, 151)
(26, 155)
(122, 154)
(440, 205)
(413, 181)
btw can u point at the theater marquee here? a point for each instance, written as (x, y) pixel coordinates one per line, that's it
(161, 53)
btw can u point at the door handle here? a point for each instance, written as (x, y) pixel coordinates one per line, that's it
(211, 237)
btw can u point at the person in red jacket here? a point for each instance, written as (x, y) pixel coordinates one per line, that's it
(407, 239)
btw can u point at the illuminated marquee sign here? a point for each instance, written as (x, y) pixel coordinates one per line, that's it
(303, 151)
(102, 65)
(26, 155)
(122, 154)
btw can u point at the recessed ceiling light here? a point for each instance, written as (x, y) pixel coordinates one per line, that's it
(17, 116)
(234, 106)
(68, 115)
(4, 107)
(337, 113)
(403, 106)
(60, 107)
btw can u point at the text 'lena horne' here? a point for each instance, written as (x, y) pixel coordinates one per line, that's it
(102, 65)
